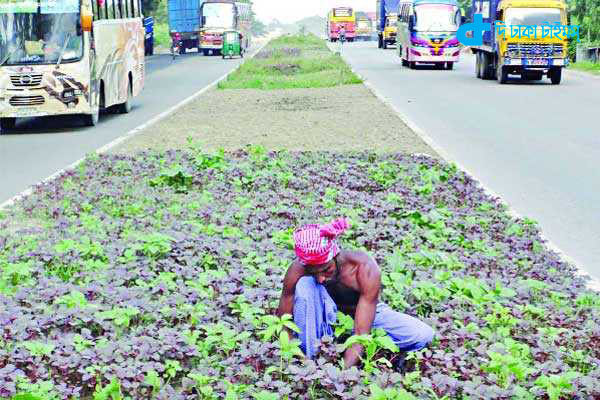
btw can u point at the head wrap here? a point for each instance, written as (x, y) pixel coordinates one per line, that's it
(315, 244)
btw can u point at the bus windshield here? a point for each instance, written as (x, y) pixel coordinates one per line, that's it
(436, 17)
(34, 32)
(218, 15)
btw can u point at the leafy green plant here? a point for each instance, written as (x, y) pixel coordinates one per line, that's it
(389, 393)
(513, 360)
(372, 344)
(174, 176)
(343, 324)
(557, 386)
(275, 325)
(38, 349)
(120, 316)
(72, 300)
(112, 391)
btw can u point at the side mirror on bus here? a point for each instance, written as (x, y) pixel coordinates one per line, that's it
(203, 20)
(86, 23)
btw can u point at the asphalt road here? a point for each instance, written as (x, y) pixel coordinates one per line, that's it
(41, 146)
(535, 144)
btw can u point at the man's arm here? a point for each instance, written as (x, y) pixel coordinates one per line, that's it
(369, 280)
(286, 301)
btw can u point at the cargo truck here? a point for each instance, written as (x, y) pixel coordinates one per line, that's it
(386, 21)
(184, 19)
(532, 54)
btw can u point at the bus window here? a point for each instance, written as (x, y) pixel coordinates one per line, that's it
(118, 9)
(110, 8)
(126, 13)
(136, 8)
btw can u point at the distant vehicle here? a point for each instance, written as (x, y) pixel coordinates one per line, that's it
(184, 19)
(232, 45)
(427, 32)
(386, 22)
(218, 16)
(51, 64)
(338, 18)
(364, 26)
(149, 39)
(500, 56)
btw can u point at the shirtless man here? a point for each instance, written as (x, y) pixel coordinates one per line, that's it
(324, 279)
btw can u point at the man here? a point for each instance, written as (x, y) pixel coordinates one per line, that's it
(324, 279)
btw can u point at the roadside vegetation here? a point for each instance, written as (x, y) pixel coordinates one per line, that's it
(586, 66)
(292, 61)
(156, 276)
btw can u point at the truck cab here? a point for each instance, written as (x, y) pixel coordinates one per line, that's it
(533, 53)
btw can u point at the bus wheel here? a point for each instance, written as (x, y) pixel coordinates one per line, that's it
(125, 108)
(449, 65)
(404, 63)
(384, 45)
(412, 65)
(7, 123)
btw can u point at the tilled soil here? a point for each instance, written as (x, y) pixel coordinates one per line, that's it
(344, 118)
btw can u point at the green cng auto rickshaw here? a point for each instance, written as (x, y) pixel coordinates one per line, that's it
(232, 44)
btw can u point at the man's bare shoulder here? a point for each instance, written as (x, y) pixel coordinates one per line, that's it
(361, 259)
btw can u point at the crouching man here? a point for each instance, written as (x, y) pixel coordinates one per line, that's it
(324, 279)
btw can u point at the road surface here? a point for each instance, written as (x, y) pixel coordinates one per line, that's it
(535, 144)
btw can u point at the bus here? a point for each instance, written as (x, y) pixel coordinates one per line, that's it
(218, 16)
(69, 57)
(341, 17)
(427, 32)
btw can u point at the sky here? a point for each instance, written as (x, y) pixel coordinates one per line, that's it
(288, 11)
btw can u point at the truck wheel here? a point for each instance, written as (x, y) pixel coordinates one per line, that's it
(7, 123)
(385, 45)
(486, 72)
(478, 64)
(555, 75)
(380, 43)
(502, 74)
(151, 50)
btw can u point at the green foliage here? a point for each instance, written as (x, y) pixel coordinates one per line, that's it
(317, 67)
(557, 386)
(72, 300)
(112, 391)
(274, 325)
(390, 393)
(41, 390)
(512, 361)
(38, 349)
(373, 343)
(121, 317)
(174, 176)
(344, 324)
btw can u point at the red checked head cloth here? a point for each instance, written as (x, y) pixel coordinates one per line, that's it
(315, 244)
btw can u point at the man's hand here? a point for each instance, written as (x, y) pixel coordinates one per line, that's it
(352, 355)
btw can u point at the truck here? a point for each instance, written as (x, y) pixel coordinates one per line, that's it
(218, 16)
(386, 20)
(501, 55)
(364, 26)
(338, 18)
(184, 19)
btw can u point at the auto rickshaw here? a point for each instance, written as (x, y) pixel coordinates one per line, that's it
(232, 44)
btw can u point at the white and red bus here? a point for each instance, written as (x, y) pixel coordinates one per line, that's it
(61, 57)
